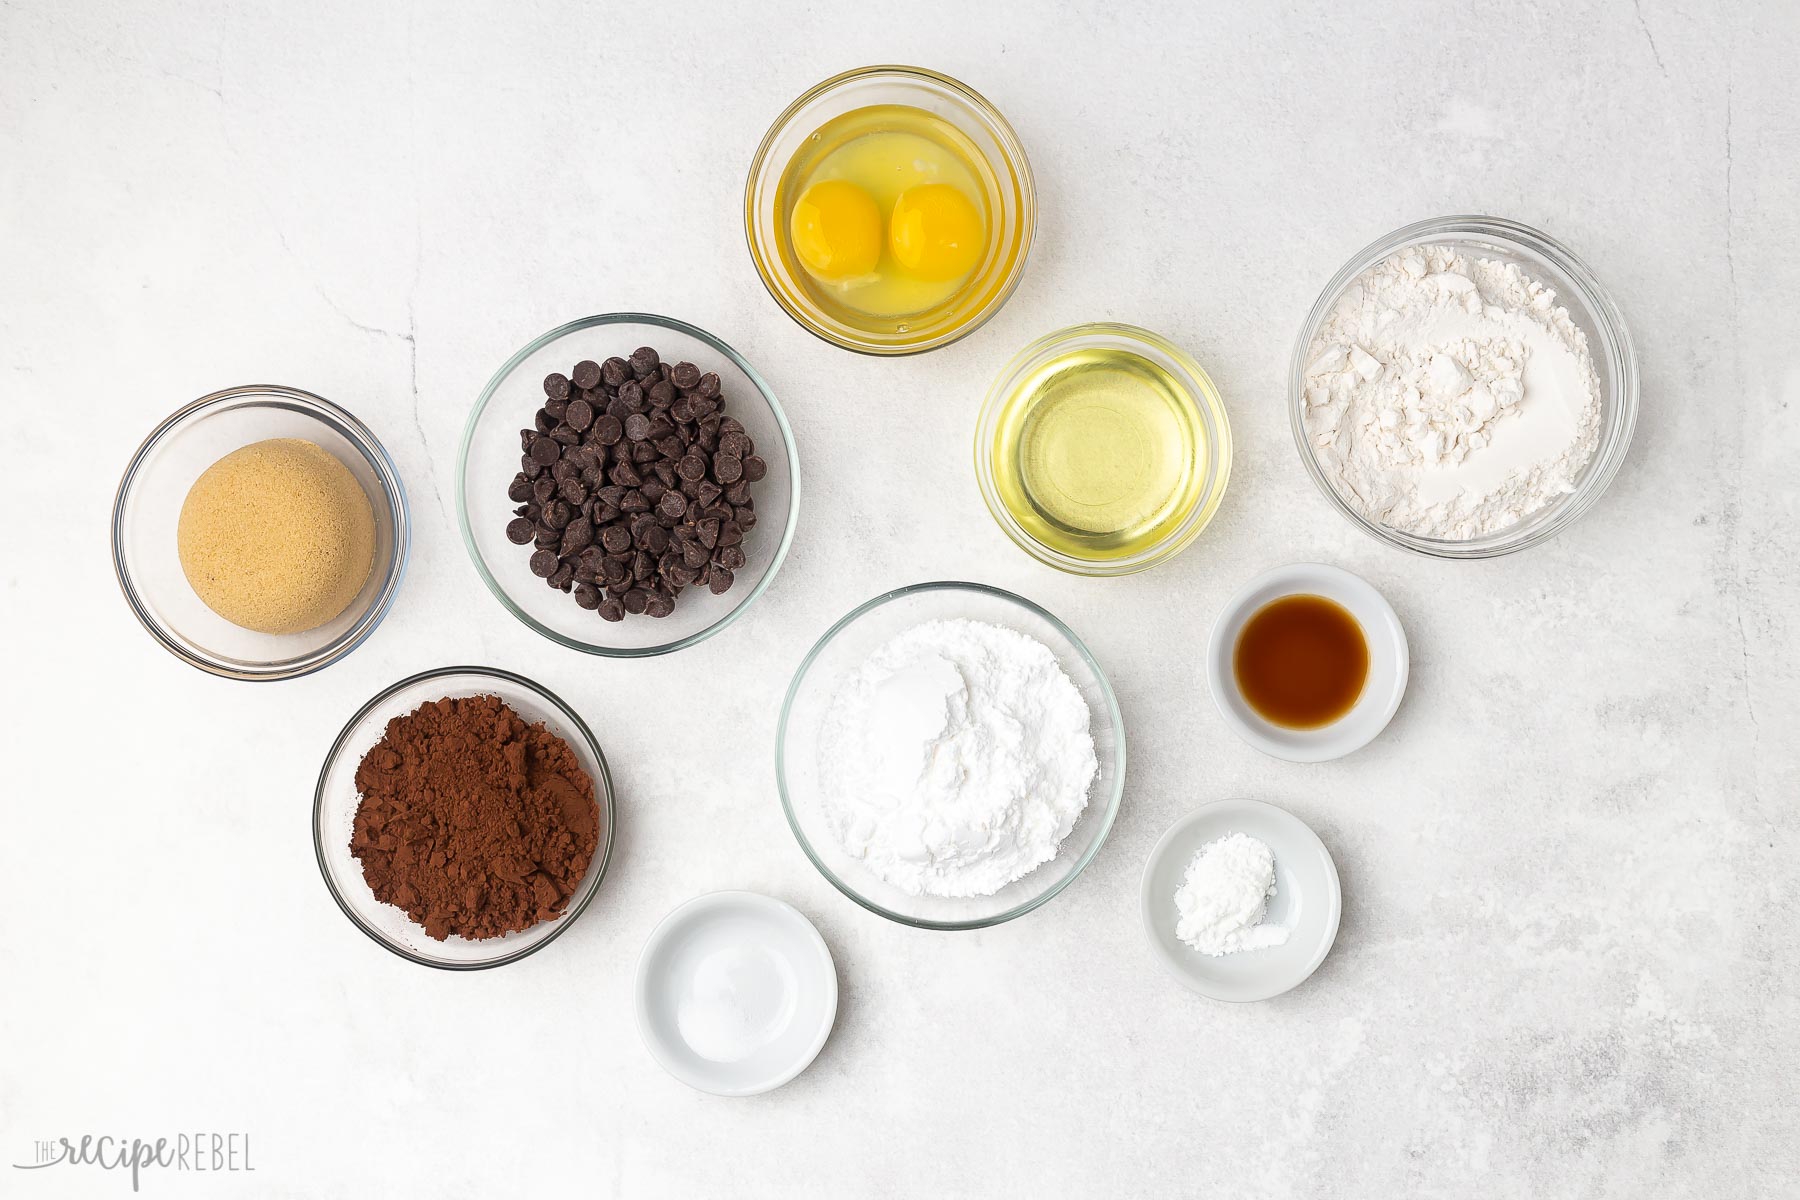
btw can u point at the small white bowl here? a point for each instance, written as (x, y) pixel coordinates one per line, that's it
(736, 993)
(1389, 663)
(1307, 900)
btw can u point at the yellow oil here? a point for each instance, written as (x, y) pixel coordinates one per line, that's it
(1098, 454)
(885, 149)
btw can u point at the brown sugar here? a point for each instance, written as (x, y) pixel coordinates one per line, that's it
(277, 536)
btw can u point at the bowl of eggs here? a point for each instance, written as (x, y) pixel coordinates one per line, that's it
(890, 210)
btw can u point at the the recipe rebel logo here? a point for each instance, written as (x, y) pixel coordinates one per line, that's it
(193, 1153)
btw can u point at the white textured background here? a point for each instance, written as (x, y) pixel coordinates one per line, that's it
(1567, 964)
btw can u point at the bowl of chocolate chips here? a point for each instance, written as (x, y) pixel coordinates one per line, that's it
(627, 485)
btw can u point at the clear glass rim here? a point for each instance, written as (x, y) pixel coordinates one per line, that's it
(604, 788)
(468, 439)
(1114, 716)
(393, 494)
(1619, 420)
(1202, 395)
(1021, 179)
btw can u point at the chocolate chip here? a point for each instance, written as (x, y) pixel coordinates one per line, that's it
(632, 477)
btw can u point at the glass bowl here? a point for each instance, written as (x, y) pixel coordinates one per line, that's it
(489, 459)
(1205, 408)
(1592, 310)
(843, 648)
(147, 509)
(336, 798)
(1006, 177)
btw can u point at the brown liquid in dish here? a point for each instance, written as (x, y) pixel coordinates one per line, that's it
(1301, 661)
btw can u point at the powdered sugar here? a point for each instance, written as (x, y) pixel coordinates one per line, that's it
(1450, 397)
(956, 758)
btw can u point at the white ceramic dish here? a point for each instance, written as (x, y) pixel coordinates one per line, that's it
(1389, 663)
(1307, 900)
(736, 993)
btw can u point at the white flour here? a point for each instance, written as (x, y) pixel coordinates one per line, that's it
(956, 758)
(1220, 905)
(1450, 397)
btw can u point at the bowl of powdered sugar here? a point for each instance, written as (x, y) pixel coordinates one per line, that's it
(1463, 388)
(950, 756)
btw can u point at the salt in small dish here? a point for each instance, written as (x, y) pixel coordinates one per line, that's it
(1308, 901)
(1389, 663)
(736, 993)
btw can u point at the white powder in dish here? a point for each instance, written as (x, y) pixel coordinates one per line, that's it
(1450, 397)
(956, 758)
(1220, 905)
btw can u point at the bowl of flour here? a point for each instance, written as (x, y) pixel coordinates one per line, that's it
(950, 756)
(1463, 388)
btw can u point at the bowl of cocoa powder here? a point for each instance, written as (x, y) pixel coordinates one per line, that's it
(464, 818)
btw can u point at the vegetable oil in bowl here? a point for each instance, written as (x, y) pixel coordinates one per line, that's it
(1101, 454)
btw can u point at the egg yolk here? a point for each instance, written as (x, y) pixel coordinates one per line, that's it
(936, 232)
(837, 230)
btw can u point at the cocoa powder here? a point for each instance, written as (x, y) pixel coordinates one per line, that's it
(474, 822)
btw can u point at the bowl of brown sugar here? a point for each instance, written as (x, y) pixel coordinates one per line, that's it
(464, 818)
(260, 533)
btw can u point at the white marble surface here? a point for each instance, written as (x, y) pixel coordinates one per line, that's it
(1567, 965)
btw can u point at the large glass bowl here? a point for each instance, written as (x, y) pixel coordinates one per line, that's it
(147, 510)
(1011, 199)
(842, 650)
(490, 458)
(1206, 411)
(1592, 310)
(336, 798)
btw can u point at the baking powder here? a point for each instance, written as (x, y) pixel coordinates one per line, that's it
(1450, 397)
(956, 758)
(1220, 906)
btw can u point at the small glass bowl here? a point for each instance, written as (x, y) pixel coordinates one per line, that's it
(336, 798)
(1012, 204)
(845, 646)
(1591, 308)
(147, 510)
(489, 459)
(1197, 388)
